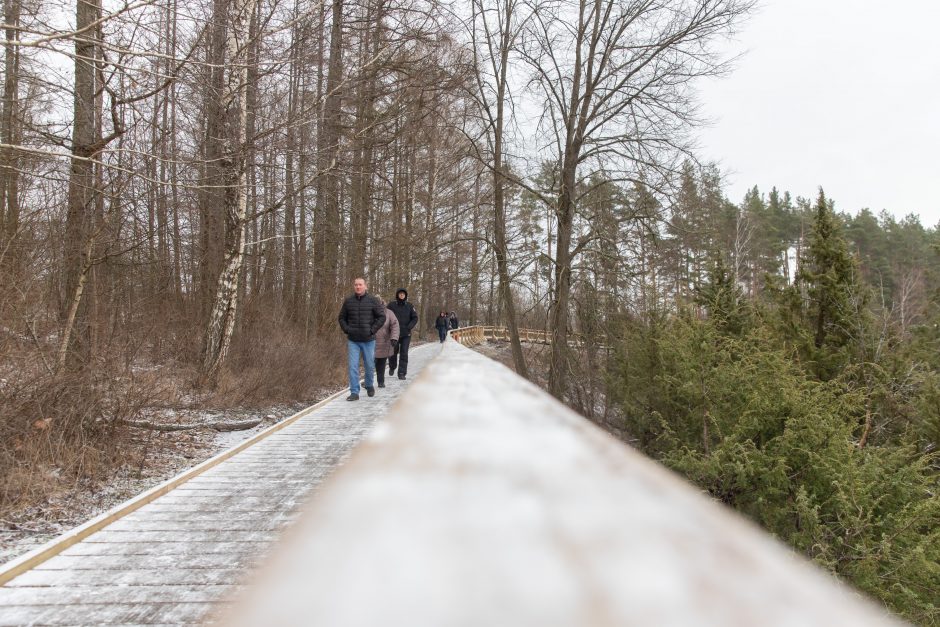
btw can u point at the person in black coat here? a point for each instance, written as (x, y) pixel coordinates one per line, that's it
(454, 323)
(360, 317)
(407, 320)
(441, 324)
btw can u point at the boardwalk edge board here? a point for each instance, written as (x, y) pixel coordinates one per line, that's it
(30, 560)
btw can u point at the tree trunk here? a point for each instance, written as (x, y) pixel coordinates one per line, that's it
(327, 217)
(221, 324)
(290, 267)
(213, 190)
(475, 255)
(499, 219)
(83, 192)
(558, 317)
(9, 181)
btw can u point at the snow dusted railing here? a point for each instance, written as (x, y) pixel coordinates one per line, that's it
(473, 335)
(470, 336)
(477, 334)
(481, 500)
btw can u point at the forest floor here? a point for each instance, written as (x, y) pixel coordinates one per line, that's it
(150, 457)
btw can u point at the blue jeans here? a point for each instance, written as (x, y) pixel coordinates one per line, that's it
(367, 350)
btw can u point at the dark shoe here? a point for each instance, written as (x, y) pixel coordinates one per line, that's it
(353, 397)
(402, 377)
(370, 391)
(391, 371)
(381, 385)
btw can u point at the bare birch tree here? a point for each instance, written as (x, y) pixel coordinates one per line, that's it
(234, 103)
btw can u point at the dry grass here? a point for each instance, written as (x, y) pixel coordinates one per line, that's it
(62, 428)
(60, 431)
(277, 365)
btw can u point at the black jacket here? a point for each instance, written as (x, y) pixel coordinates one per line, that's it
(361, 317)
(442, 322)
(405, 312)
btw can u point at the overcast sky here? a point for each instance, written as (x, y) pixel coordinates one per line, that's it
(839, 93)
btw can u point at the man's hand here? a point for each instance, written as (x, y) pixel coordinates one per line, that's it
(394, 344)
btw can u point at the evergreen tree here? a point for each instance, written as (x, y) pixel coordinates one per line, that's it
(685, 231)
(802, 405)
(827, 272)
(740, 418)
(722, 299)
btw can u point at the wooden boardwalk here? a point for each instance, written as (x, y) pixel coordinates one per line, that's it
(176, 559)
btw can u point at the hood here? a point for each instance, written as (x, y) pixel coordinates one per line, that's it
(401, 290)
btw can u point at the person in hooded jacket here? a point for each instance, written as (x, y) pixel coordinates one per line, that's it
(407, 320)
(442, 323)
(386, 340)
(454, 322)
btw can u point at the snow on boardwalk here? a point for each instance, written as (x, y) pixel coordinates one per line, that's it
(173, 560)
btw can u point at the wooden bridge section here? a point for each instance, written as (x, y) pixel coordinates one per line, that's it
(476, 334)
(477, 500)
(473, 335)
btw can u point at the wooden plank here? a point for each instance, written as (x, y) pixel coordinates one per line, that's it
(170, 527)
(162, 561)
(108, 536)
(165, 548)
(99, 614)
(125, 595)
(122, 578)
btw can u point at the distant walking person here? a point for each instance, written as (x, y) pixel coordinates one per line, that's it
(407, 320)
(386, 340)
(441, 325)
(454, 323)
(361, 316)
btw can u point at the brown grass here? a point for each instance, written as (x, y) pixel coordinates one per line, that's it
(60, 429)
(278, 365)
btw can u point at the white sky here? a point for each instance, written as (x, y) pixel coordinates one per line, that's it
(839, 93)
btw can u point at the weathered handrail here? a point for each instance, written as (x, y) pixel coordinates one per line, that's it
(473, 335)
(476, 334)
(481, 500)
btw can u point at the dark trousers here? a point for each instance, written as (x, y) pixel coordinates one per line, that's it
(380, 369)
(442, 333)
(399, 358)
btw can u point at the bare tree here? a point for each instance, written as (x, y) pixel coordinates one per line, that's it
(614, 78)
(495, 31)
(234, 104)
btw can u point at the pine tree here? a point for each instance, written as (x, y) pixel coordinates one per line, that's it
(722, 299)
(828, 273)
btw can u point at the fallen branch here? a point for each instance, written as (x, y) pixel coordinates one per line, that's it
(218, 426)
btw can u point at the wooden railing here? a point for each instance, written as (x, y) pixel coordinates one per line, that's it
(481, 500)
(473, 335)
(470, 336)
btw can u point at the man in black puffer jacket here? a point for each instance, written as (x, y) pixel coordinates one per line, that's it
(407, 319)
(361, 316)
